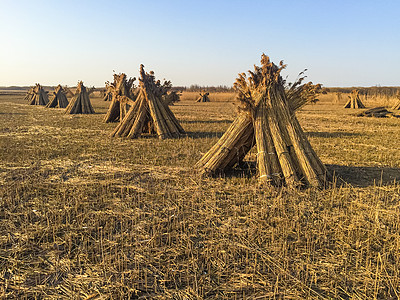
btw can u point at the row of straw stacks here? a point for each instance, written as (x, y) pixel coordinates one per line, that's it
(267, 120)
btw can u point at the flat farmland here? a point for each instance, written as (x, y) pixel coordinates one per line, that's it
(87, 216)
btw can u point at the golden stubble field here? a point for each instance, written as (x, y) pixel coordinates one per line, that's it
(87, 216)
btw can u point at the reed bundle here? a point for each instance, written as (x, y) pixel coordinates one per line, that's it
(354, 100)
(397, 105)
(203, 97)
(80, 103)
(29, 94)
(107, 93)
(38, 96)
(266, 119)
(122, 97)
(149, 113)
(59, 98)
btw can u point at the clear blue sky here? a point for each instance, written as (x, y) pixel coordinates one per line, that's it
(341, 43)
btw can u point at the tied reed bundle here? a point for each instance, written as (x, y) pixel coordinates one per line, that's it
(59, 98)
(397, 105)
(80, 103)
(37, 95)
(266, 118)
(354, 100)
(149, 113)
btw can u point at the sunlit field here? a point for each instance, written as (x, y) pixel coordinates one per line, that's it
(87, 216)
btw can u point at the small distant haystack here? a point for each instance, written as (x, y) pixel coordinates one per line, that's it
(39, 96)
(397, 105)
(107, 93)
(80, 103)
(59, 98)
(267, 121)
(203, 97)
(149, 114)
(122, 97)
(29, 95)
(354, 100)
(171, 97)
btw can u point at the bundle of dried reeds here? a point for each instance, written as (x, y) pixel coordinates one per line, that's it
(107, 93)
(80, 103)
(267, 119)
(38, 96)
(59, 98)
(354, 100)
(397, 105)
(122, 97)
(29, 95)
(149, 113)
(203, 97)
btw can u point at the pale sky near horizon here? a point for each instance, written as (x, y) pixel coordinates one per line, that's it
(341, 43)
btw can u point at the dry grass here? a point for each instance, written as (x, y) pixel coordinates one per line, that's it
(86, 216)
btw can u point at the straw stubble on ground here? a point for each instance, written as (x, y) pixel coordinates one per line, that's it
(84, 215)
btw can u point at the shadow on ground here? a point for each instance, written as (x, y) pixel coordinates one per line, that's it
(206, 121)
(364, 176)
(201, 134)
(334, 134)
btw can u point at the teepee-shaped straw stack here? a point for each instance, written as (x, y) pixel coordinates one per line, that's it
(267, 119)
(38, 96)
(149, 113)
(59, 98)
(80, 103)
(203, 97)
(397, 105)
(354, 100)
(122, 97)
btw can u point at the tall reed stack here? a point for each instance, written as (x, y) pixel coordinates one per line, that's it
(80, 103)
(149, 113)
(37, 95)
(354, 100)
(266, 119)
(59, 98)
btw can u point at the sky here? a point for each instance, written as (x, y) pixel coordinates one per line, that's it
(340, 43)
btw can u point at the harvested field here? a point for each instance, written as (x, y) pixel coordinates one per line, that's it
(87, 216)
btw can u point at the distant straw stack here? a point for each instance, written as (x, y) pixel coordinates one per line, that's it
(203, 97)
(267, 120)
(59, 98)
(149, 113)
(80, 103)
(397, 105)
(354, 100)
